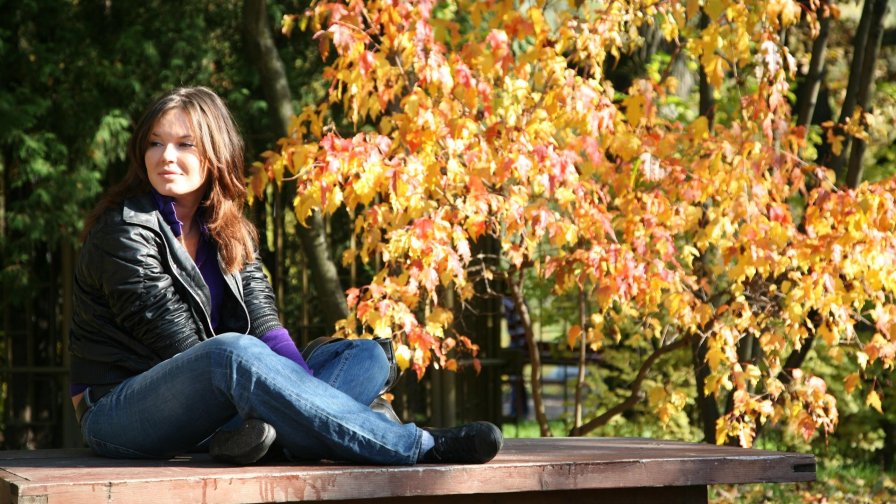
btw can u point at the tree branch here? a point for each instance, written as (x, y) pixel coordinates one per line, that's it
(634, 389)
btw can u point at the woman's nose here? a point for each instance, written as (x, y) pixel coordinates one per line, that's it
(170, 153)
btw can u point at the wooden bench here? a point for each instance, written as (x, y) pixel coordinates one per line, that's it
(527, 471)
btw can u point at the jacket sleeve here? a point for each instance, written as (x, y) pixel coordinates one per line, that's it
(127, 262)
(259, 299)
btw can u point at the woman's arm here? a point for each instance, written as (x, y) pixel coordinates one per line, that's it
(132, 267)
(263, 314)
(258, 296)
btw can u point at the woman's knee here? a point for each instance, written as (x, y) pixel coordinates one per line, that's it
(235, 343)
(373, 353)
(358, 367)
(372, 356)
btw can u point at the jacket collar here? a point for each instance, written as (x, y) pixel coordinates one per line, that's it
(142, 210)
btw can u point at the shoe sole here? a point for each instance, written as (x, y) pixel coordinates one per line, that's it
(245, 445)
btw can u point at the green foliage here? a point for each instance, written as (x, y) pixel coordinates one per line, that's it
(76, 76)
(843, 484)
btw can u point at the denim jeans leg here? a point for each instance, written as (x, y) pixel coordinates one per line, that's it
(180, 402)
(358, 367)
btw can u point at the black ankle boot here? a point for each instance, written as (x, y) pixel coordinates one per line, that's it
(473, 443)
(245, 445)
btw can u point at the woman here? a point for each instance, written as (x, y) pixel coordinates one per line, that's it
(176, 338)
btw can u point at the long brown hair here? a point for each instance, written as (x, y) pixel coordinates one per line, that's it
(221, 148)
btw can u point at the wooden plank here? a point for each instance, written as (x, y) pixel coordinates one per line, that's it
(523, 466)
(663, 495)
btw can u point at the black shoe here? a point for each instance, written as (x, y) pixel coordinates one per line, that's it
(473, 443)
(245, 445)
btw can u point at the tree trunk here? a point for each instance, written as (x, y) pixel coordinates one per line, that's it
(706, 404)
(866, 86)
(808, 98)
(580, 378)
(707, 102)
(855, 72)
(888, 451)
(516, 292)
(278, 218)
(270, 66)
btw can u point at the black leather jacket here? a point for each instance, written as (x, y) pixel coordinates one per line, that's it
(139, 298)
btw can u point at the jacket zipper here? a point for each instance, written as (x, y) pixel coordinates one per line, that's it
(196, 297)
(193, 293)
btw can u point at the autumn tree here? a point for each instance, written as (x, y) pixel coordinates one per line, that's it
(694, 228)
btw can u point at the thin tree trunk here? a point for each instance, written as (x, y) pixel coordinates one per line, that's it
(707, 102)
(276, 87)
(812, 83)
(866, 86)
(580, 379)
(888, 451)
(516, 292)
(855, 72)
(706, 404)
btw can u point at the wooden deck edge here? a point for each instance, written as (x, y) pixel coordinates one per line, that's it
(524, 467)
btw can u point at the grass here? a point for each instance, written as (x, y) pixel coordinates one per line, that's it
(855, 484)
(529, 429)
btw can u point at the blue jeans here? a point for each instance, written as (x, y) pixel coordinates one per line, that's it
(179, 403)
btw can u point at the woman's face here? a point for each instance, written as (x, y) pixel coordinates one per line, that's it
(172, 159)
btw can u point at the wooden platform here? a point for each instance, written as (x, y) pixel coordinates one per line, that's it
(526, 471)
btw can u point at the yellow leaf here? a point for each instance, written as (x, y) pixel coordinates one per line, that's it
(699, 129)
(656, 394)
(539, 25)
(851, 381)
(626, 146)
(634, 108)
(714, 9)
(572, 337)
(753, 374)
(715, 68)
(693, 8)
(873, 400)
(382, 328)
(862, 358)
(403, 356)
(713, 357)
(439, 316)
(827, 335)
(721, 431)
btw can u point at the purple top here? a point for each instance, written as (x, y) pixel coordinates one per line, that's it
(277, 339)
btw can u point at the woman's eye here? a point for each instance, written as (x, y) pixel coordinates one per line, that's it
(155, 144)
(187, 145)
